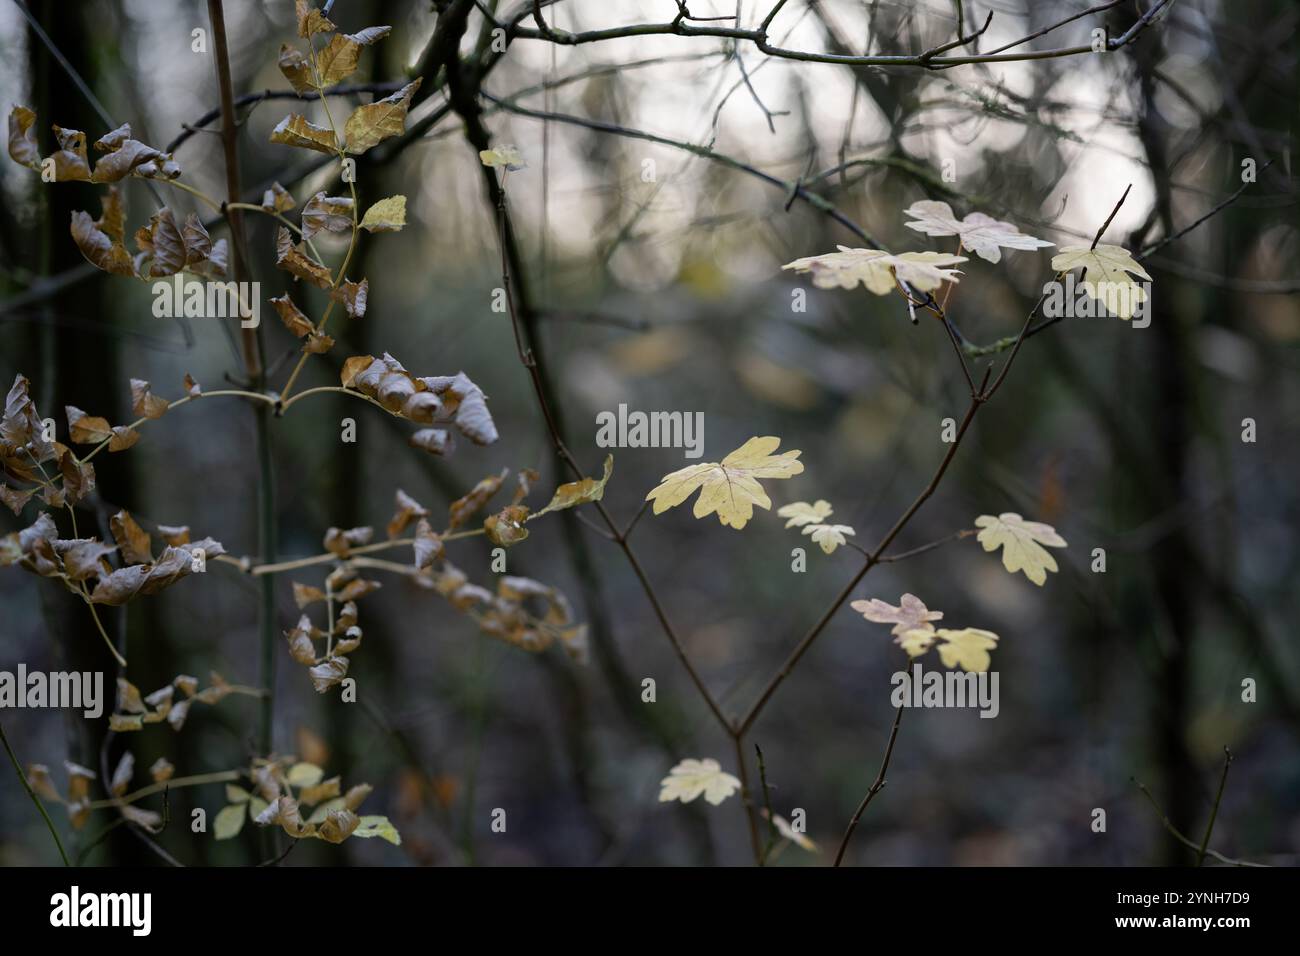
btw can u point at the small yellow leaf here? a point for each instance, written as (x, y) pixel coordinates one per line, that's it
(574, 493)
(229, 822)
(387, 215)
(968, 648)
(375, 122)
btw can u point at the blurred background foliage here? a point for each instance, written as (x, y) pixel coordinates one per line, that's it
(668, 295)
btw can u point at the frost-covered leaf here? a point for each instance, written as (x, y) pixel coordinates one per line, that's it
(326, 213)
(296, 130)
(338, 59)
(730, 487)
(981, 234)
(1021, 542)
(86, 429)
(375, 122)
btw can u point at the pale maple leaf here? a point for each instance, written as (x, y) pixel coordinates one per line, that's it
(1021, 542)
(916, 641)
(730, 487)
(876, 269)
(1106, 278)
(829, 536)
(503, 155)
(911, 613)
(800, 512)
(981, 234)
(690, 778)
(968, 648)
(788, 832)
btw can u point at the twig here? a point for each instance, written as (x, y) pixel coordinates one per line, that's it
(22, 778)
(1214, 812)
(875, 788)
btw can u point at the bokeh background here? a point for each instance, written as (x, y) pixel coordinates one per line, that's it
(668, 295)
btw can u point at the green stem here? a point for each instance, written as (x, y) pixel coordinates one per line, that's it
(22, 777)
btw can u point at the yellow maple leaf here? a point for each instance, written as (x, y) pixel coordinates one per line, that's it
(968, 648)
(1021, 542)
(730, 487)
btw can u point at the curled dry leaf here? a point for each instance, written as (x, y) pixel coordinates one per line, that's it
(463, 508)
(428, 545)
(406, 510)
(292, 317)
(296, 68)
(132, 540)
(277, 199)
(70, 163)
(326, 214)
(506, 527)
(340, 542)
(452, 398)
(353, 295)
(292, 259)
(728, 488)
(86, 429)
(144, 402)
(102, 241)
(297, 130)
(575, 493)
(23, 148)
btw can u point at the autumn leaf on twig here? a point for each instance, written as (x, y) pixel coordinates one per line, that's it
(692, 778)
(876, 269)
(729, 488)
(1021, 542)
(981, 234)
